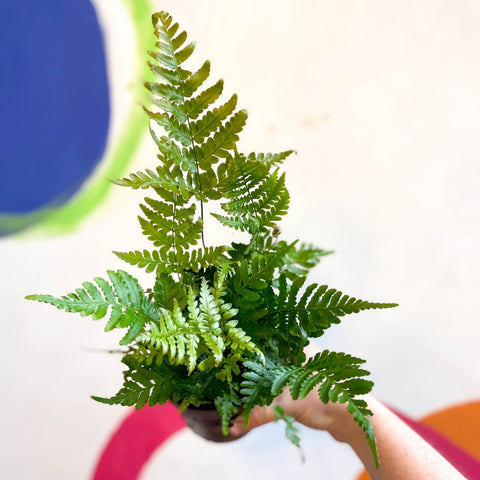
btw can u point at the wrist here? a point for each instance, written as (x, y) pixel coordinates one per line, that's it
(342, 426)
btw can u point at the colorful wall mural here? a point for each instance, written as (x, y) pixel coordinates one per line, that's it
(56, 112)
(380, 100)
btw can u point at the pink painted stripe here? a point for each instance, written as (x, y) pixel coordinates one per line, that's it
(137, 437)
(461, 460)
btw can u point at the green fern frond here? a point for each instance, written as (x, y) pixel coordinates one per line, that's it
(257, 199)
(227, 406)
(196, 80)
(297, 261)
(170, 227)
(255, 388)
(212, 120)
(318, 308)
(167, 291)
(123, 297)
(194, 260)
(148, 260)
(291, 431)
(222, 142)
(337, 375)
(196, 106)
(141, 386)
(238, 340)
(175, 336)
(209, 321)
(178, 131)
(270, 159)
(146, 179)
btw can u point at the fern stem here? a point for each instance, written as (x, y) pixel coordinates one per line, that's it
(197, 165)
(174, 247)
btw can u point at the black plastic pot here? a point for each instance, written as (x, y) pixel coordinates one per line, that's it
(206, 422)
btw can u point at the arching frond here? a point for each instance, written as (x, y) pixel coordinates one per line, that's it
(122, 300)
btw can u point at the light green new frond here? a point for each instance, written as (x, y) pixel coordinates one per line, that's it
(123, 297)
(239, 340)
(174, 337)
(209, 322)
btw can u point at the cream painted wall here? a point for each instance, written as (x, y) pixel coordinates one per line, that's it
(381, 100)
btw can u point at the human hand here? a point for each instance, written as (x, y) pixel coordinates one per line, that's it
(309, 411)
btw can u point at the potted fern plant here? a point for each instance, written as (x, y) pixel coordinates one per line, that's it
(221, 327)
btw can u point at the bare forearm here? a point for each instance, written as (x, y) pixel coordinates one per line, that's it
(403, 454)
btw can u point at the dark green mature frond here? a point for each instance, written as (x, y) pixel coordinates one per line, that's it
(196, 106)
(141, 386)
(337, 376)
(291, 430)
(167, 291)
(194, 260)
(170, 227)
(212, 120)
(222, 142)
(297, 261)
(256, 388)
(227, 405)
(123, 297)
(257, 199)
(318, 307)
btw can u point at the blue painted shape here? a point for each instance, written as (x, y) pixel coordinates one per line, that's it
(54, 101)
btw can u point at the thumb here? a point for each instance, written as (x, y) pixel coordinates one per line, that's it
(258, 416)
